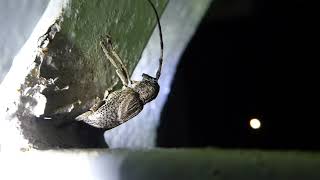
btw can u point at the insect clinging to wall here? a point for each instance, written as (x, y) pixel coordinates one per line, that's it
(121, 105)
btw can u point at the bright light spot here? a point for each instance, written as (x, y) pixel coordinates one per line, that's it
(255, 123)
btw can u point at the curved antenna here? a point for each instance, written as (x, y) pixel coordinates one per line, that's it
(161, 41)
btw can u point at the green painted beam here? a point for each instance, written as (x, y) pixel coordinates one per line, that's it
(75, 57)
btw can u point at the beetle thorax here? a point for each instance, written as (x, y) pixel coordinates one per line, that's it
(148, 88)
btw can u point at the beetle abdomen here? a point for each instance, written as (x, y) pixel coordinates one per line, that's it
(119, 107)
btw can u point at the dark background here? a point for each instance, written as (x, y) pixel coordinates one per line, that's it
(248, 59)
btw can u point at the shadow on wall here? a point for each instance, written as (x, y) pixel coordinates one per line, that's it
(17, 22)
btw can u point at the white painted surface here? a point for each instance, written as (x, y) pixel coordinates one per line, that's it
(51, 165)
(17, 21)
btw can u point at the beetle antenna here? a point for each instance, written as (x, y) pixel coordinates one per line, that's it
(161, 41)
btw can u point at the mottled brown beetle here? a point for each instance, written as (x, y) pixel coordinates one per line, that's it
(121, 105)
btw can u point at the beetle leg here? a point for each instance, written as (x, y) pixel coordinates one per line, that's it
(113, 57)
(110, 89)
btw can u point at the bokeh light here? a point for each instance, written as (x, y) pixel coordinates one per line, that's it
(255, 123)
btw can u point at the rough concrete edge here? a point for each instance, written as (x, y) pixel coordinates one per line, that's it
(23, 64)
